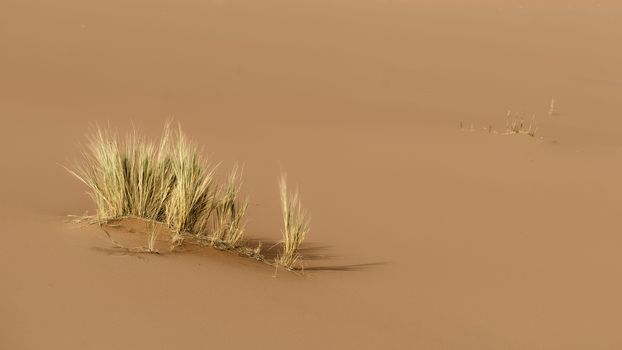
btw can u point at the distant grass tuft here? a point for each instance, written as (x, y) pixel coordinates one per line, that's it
(516, 125)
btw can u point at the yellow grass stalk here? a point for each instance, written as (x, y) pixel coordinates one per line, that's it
(228, 212)
(552, 107)
(296, 225)
(191, 198)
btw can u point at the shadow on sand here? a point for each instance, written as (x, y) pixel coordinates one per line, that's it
(315, 256)
(312, 255)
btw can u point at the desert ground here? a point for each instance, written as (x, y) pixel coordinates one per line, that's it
(424, 235)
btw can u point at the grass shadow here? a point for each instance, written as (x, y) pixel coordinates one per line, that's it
(114, 251)
(346, 267)
(311, 252)
(315, 257)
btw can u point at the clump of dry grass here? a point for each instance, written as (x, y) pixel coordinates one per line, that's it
(126, 178)
(516, 125)
(170, 183)
(295, 225)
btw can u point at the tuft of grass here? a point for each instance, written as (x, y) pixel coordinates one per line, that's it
(516, 125)
(128, 178)
(296, 225)
(169, 182)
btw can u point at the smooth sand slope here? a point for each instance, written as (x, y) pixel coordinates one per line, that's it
(423, 235)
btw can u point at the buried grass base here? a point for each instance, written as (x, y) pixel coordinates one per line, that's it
(169, 183)
(242, 250)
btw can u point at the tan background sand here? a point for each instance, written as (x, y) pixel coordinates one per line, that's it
(426, 236)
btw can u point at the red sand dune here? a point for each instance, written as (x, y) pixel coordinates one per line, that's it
(424, 236)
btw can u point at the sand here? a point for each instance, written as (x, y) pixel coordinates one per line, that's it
(424, 236)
